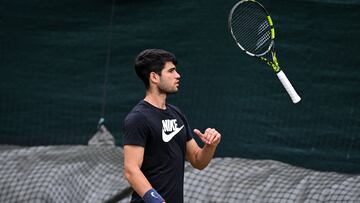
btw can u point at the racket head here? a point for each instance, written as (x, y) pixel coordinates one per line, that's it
(251, 27)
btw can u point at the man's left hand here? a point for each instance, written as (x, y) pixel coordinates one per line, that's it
(210, 137)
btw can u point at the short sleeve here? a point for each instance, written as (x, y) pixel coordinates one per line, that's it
(189, 134)
(135, 130)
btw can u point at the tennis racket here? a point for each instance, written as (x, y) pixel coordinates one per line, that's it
(253, 31)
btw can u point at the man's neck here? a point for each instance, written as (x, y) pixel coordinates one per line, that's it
(156, 99)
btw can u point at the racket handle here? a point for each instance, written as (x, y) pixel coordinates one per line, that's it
(289, 88)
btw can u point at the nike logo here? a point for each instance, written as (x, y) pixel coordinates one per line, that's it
(170, 125)
(153, 194)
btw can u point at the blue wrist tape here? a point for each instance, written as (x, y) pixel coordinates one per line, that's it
(151, 196)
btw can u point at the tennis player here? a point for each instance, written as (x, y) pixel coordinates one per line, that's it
(157, 137)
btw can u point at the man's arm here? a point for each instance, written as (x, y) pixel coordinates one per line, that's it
(133, 158)
(201, 157)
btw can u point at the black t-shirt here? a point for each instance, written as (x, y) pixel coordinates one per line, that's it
(163, 134)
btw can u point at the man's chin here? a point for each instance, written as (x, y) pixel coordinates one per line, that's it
(172, 91)
(168, 91)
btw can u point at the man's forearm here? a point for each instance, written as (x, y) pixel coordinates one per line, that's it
(138, 181)
(204, 156)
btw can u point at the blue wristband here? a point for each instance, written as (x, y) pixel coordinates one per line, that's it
(151, 196)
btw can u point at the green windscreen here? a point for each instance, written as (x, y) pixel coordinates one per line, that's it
(58, 70)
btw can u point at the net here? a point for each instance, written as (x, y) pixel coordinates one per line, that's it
(78, 173)
(242, 180)
(93, 174)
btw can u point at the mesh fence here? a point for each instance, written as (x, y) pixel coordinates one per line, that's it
(63, 173)
(94, 174)
(244, 180)
(60, 174)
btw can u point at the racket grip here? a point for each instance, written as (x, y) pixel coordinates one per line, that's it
(289, 88)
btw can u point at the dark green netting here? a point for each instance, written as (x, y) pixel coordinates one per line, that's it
(53, 54)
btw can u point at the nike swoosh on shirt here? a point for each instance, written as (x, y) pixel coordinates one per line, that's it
(168, 137)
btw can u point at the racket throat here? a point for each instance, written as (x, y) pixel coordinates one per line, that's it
(273, 63)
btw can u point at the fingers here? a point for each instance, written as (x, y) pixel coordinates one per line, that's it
(198, 133)
(211, 136)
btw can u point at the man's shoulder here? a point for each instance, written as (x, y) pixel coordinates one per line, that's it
(137, 111)
(173, 107)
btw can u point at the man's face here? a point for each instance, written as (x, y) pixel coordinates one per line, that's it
(169, 79)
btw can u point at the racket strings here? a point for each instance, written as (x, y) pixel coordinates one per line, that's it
(251, 28)
(253, 38)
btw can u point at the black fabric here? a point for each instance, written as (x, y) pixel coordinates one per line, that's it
(163, 163)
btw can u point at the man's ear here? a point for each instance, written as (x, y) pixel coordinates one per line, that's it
(154, 77)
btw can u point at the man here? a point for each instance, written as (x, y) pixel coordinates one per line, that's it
(157, 137)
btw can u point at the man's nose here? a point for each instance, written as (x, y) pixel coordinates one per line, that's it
(177, 74)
